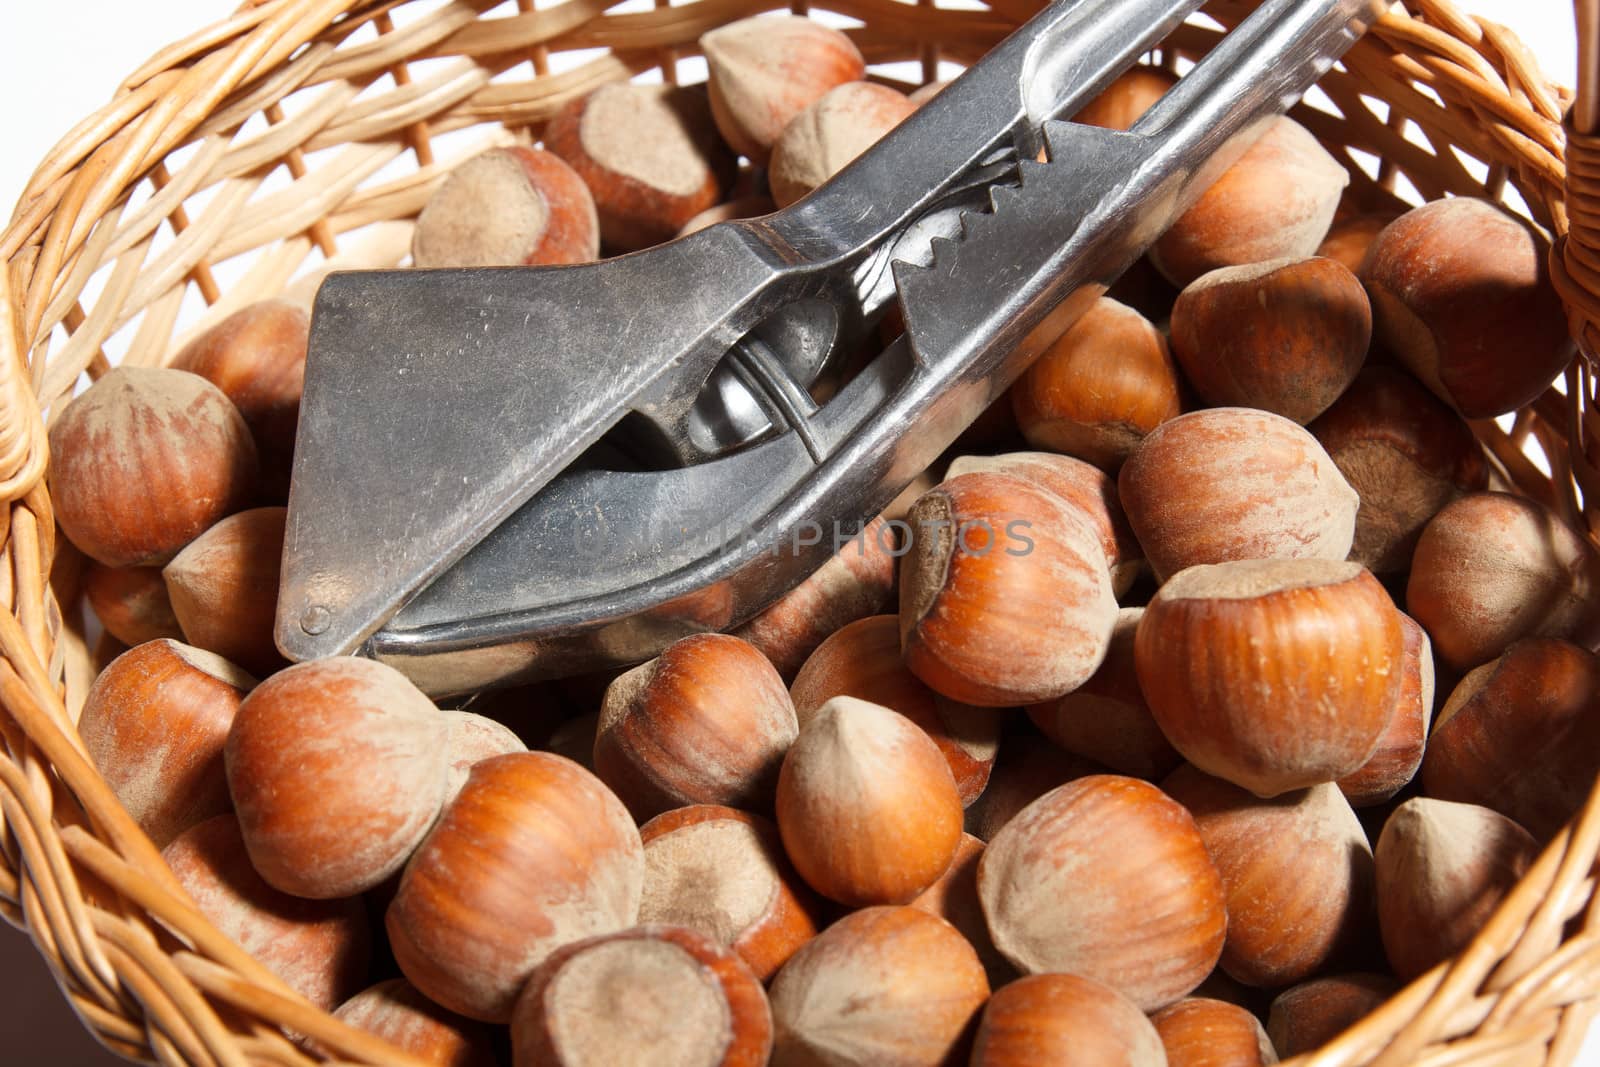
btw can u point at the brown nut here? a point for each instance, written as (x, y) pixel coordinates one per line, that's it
(532, 854)
(1200, 1032)
(257, 357)
(653, 994)
(224, 588)
(764, 71)
(993, 553)
(1234, 483)
(723, 872)
(1313, 1013)
(882, 987)
(1491, 568)
(1272, 674)
(319, 947)
(1120, 104)
(1091, 493)
(1405, 454)
(954, 898)
(1537, 706)
(833, 130)
(469, 740)
(1350, 237)
(1027, 769)
(1099, 388)
(1443, 868)
(1063, 1018)
(154, 724)
(1108, 878)
(650, 155)
(398, 1013)
(705, 722)
(1399, 753)
(510, 206)
(145, 461)
(1106, 719)
(1461, 294)
(1286, 335)
(1297, 871)
(862, 660)
(857, 582)
(130, 602)
(1276, 201)
(746, 207)
(337, 768)
(867, 806)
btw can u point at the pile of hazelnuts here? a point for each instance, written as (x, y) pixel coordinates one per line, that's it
(1113, 792)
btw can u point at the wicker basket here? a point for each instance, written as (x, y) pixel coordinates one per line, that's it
(303, 135)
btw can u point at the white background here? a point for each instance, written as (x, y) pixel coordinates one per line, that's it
(61, 61)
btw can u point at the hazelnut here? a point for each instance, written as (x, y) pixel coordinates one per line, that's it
(1276, 201)
(224, 588)
(1521, 735)
(319, 947)
(1199, 1032)
(1405, 454)
(1350, 237)
(1286, 335)
(1029, 768)
(257, 357)
(154, 724)
(508, 207)
(1399, 752)
(1063, 1018)
(1461, 294)
(882, 987)
(337, 768)
(831, 132)
(862, 660)
(723, 872)
(469, 740)
(1120, 104)
(954, 898)
(1296, 870)
(145, 461)
(857, 582)
(1272, 674)
(763, 71)
(1107, 878)
(1443, 869)
(533, 853)
(1086, 488)
(993, 553)
(746, 207)
(1491, 568)
(1106, 719)
(130, 602)
(867, 806)
(1099, 388)
(649, 154)
(1311, 1014)
(1235, 483)
(705, 722)
(398, 1013)
(653, 994)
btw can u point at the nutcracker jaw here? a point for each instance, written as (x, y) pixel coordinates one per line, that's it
(448, 513)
